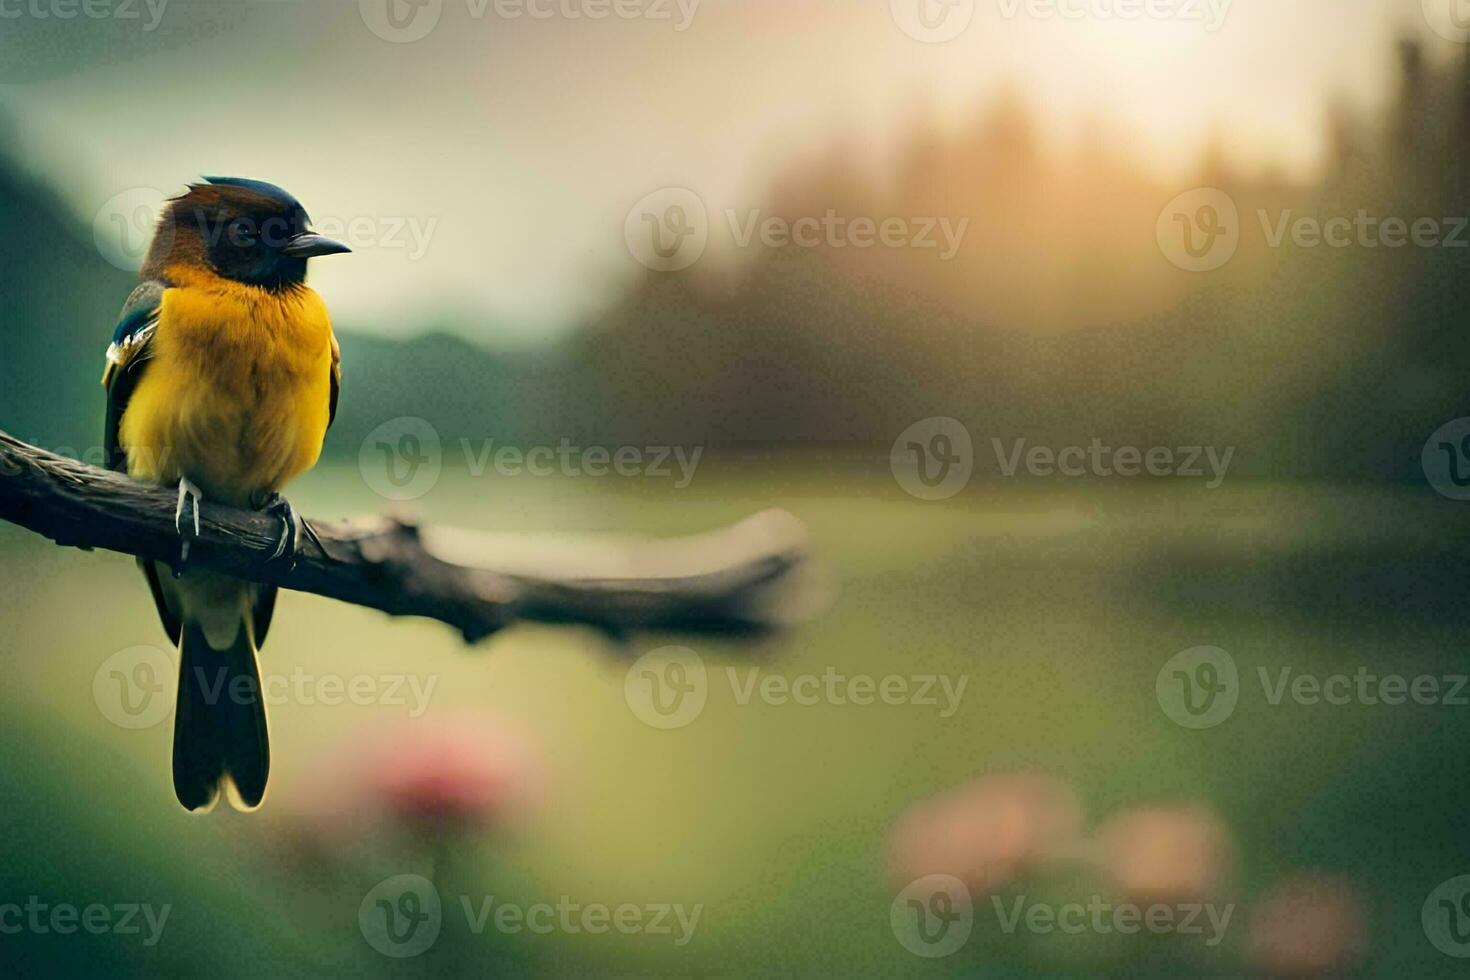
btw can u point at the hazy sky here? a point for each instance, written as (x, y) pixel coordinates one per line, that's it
(513, 146)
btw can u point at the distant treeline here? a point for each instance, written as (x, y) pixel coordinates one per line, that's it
(1059, 320)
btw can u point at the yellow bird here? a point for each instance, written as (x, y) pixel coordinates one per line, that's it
(222, 378)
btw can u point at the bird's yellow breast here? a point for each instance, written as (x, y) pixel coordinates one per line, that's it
(236, 393)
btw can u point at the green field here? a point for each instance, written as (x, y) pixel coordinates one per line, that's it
(1058, 603)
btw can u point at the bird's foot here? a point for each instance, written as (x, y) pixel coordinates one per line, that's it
(191, 494)
(293, 525)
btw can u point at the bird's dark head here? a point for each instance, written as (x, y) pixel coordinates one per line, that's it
(244, 230)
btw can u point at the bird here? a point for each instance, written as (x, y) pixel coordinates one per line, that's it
(222, 379)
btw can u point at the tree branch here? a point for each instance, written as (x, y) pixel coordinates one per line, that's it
(747, 577)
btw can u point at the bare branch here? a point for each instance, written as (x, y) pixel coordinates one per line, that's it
(750, 576)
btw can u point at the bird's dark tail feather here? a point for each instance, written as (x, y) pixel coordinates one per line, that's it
(219, 725)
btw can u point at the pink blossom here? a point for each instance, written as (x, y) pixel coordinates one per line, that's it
(1170, 854)
(1308, 925)
(987, 831)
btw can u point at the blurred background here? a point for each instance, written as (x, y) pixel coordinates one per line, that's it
(855, 260)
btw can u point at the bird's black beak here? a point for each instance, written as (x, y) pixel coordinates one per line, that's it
(310, 245)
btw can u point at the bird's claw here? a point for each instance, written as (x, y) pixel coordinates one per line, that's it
(292, 527)
(191, 494)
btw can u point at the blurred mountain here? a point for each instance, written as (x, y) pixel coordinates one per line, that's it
(1060, 321)
(59, 298)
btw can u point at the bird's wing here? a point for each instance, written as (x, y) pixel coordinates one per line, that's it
(127, 358)
(336, 382)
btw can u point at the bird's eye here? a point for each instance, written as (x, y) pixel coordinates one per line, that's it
(276, 232)
(242, 233)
